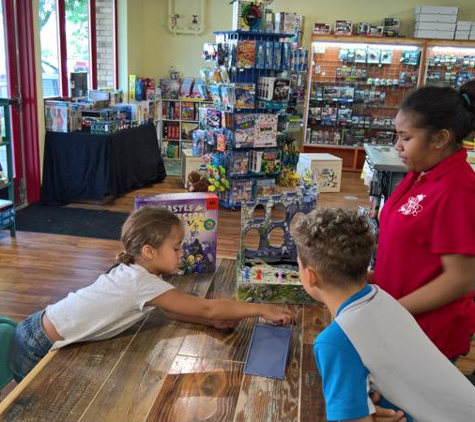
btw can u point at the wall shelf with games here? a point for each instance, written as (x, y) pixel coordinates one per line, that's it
(178, 120)
(449, 63)
(355, 85)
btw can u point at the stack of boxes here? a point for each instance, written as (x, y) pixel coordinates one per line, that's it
(465, 30)
(439, 22)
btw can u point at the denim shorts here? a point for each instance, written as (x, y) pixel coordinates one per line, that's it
(30, 344)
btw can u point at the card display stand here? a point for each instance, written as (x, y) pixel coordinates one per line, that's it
(355, 87)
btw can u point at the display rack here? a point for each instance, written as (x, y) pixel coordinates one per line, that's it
(7, 206)
(177, 119)
(251, 156)
(449, 63)
(355, 85)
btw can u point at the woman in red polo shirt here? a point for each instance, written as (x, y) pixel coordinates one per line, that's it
(426, 246)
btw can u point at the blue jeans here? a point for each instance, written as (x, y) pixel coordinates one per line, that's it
(30, 345)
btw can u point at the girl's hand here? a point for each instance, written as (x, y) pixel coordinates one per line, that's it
(277, 314)
(385, 415)
(225, 324)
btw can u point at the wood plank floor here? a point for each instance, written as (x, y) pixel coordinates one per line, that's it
(39, 269)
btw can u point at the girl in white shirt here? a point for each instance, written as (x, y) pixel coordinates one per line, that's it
(152, 240)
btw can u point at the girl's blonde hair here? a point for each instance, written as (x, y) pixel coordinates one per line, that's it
(146, 226)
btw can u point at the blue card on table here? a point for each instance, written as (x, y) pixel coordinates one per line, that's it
(268, 351)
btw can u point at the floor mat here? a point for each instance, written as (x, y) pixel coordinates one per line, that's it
(70, 221)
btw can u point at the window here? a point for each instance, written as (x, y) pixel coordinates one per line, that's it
(49, 48)
(87, 39)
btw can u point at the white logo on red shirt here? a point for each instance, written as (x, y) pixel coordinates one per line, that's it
(413, 206)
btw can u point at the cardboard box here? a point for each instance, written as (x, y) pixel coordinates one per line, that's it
(326, 168)
(436, 18)
(189, 163)
(438, 10)
(435, 26)
(464, 25)
(462, 35)
(7, 213)
(199, 215)
(441, 35)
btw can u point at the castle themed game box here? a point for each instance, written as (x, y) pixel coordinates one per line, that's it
(199, 215)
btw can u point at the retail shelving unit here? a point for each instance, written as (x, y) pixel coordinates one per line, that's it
(252, 157)
(7, 207)
(354, 87)
(177, 120)
(449, 62)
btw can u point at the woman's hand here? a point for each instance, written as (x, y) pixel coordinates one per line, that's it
(386, 415)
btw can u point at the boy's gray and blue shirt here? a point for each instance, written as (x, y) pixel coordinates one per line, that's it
(374, 344)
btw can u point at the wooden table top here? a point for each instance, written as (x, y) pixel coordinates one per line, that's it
(164, 370)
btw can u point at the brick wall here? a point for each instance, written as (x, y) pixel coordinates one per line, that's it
(105, 43)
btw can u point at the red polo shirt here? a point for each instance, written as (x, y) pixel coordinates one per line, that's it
(423, 220)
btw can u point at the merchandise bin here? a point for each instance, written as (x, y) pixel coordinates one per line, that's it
(326, 168)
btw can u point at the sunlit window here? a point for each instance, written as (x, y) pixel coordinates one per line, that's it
(50, 73)
(77, 37)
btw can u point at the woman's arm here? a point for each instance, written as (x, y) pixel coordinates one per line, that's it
(188, 306)
(456, 280)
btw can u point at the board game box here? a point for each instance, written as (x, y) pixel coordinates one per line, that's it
(199, 215)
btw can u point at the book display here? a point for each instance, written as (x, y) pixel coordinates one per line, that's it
(355, 87)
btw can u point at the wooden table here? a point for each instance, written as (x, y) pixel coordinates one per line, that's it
(163, 370)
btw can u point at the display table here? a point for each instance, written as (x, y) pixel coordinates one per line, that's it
(81, 166)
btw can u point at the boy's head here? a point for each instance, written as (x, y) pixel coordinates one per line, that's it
(336, 244)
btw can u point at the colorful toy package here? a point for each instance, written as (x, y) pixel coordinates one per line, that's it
(199, 215)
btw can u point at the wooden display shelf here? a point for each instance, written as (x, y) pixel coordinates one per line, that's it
(353, 157)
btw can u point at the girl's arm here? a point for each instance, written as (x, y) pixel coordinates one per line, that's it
(188, 306)
(217, 323)
(456, 280)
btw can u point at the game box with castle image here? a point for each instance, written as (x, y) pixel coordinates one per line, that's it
(269, 272)
(199, 215)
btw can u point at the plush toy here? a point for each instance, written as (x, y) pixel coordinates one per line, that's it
(196, 183)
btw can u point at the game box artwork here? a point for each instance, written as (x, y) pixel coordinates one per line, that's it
(269, 273)
(199, 215)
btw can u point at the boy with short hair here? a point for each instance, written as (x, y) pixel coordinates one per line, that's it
(373, 343)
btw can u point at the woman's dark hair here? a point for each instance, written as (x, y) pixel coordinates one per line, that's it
(436, 108)
(146, 226)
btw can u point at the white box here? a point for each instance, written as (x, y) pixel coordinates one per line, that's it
(440, 35)
(472, 36)
(462, 35)
(189, 164)
(436, 26)
(438, 10)
(436, 18)
(464, 25)
(326, 168)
